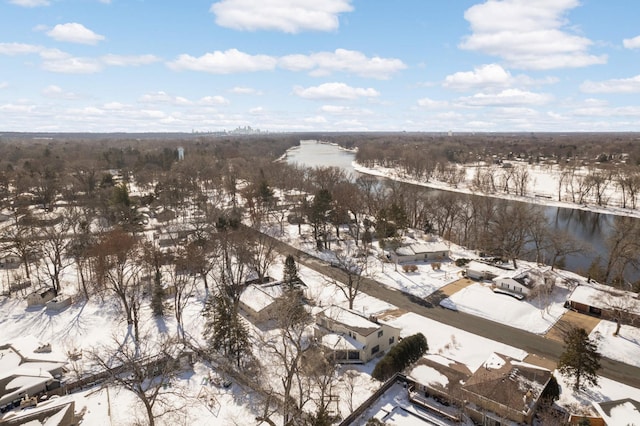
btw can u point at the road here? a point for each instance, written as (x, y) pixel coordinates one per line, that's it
(532, 343)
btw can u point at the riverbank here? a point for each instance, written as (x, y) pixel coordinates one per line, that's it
(463, 188)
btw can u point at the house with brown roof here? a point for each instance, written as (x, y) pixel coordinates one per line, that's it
(504, 390)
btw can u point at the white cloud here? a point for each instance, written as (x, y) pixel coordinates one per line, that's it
(631, 43)
(621, 85)
(334, 91)
(72, 65)
(290, 16)
(227, 62)
(343, 110)
(161, 97)
(508, 97)
(213, 100)
(74, 33)
(16, 108)
(528, 34)
(351, 61)
(57, 92)
(12, 49)
(128, 60)
(3, 84)
(257, 111)
(318, 119)
(30, 3)
(491, 75)
(432, 104)
(245, 91)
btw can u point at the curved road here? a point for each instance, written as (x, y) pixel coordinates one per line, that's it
(532, 343)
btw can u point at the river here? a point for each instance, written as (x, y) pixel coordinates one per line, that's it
(590, 228)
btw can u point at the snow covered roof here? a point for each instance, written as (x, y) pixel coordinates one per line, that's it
(421, 247)
(620, 412)
(49, 412)
(428, 376)
(258, 297)
(339, 342)
(601, 296)
(351, 320)
(494, 362)
(26, 348)
(516, 386)
(474, 265)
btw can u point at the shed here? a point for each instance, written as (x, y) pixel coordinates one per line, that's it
(58, 303)
(40, 297)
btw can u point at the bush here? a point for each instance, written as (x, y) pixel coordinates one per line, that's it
(462, 261)
(409, 268)
(405, 353)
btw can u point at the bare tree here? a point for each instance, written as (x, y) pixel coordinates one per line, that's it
(55, 240)
(118, 269)
(353, 266)
(143, 368)
(288, 348)
(623, 307)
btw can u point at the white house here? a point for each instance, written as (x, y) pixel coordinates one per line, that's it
(523, 283)
(27, 367)
(259, 302)
(417, 251)
(482, 271)
(353, 337)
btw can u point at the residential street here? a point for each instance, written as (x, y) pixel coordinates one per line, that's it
(534, 344)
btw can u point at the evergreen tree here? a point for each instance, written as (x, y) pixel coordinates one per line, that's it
(290, 274)
(224, 330)
(580, 360)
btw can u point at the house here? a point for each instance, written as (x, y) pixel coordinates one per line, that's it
(259, 301)
(482, 271)
(41, 296)
(27, 367)
(352, 337)
(525, 282)
(605, 302)
(619, 412)
(417, 251)
(55, 412)
(10, 261)
(504, 390)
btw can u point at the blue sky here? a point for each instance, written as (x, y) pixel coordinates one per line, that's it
(325, 65)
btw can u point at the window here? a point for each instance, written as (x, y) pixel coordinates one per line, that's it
(375, 349)
(392, 339)
(380, 333)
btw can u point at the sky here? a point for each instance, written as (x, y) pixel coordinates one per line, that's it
(319, 65)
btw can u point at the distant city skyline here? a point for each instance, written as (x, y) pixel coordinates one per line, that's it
(308, 65)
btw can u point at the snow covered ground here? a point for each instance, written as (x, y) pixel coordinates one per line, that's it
(448, 343)
(624, 347)
(480, 300)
